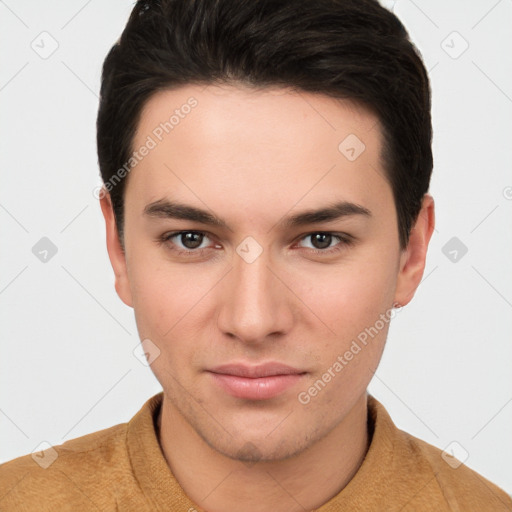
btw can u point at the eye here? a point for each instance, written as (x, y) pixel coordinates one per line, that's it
(191, 241)
(322, 241)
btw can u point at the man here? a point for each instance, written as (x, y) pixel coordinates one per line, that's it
(266, 168)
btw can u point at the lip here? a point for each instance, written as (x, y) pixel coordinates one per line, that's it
(260, 382)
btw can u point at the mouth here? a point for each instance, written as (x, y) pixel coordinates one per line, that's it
(260, 382)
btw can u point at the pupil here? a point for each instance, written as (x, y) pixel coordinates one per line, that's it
(323, 238)
(189, 238)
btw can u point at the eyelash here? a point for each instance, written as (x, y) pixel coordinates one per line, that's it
(344, 239)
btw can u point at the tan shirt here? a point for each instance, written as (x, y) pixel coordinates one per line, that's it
(122, 468)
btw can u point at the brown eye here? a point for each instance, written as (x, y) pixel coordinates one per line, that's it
(185, 242)
(190, 239)
(322, 242)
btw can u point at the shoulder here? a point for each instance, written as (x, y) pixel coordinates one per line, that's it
(66, 474)
(461, 487)
(420, 476)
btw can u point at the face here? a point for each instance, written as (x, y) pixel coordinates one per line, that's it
(267, 323)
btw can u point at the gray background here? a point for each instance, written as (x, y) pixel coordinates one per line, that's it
(67, 365)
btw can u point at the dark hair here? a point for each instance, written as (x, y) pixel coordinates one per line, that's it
(352, 49)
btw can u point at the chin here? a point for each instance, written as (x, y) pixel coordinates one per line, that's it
(252, 445)
(259, 450)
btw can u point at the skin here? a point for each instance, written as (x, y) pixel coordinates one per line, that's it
(252, 157)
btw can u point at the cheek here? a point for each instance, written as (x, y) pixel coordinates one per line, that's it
(159, 295)
(356, 306)
(160, 302)
(169, 299)
(350, 297)
(162, 309)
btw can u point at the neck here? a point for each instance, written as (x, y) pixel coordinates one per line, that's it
(303, 482)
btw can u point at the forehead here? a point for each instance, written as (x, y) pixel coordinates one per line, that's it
(262, 112)
(252, 147)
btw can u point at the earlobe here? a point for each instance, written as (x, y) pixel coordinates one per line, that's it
(412, 261)
(115, 251)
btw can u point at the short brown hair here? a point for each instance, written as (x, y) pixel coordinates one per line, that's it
(353, 49)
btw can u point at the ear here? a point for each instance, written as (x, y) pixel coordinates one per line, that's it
(412, 260)
(115, 251)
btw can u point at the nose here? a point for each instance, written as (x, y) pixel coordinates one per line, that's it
(255, 303)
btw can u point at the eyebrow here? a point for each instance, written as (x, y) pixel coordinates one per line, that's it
(166, 209)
